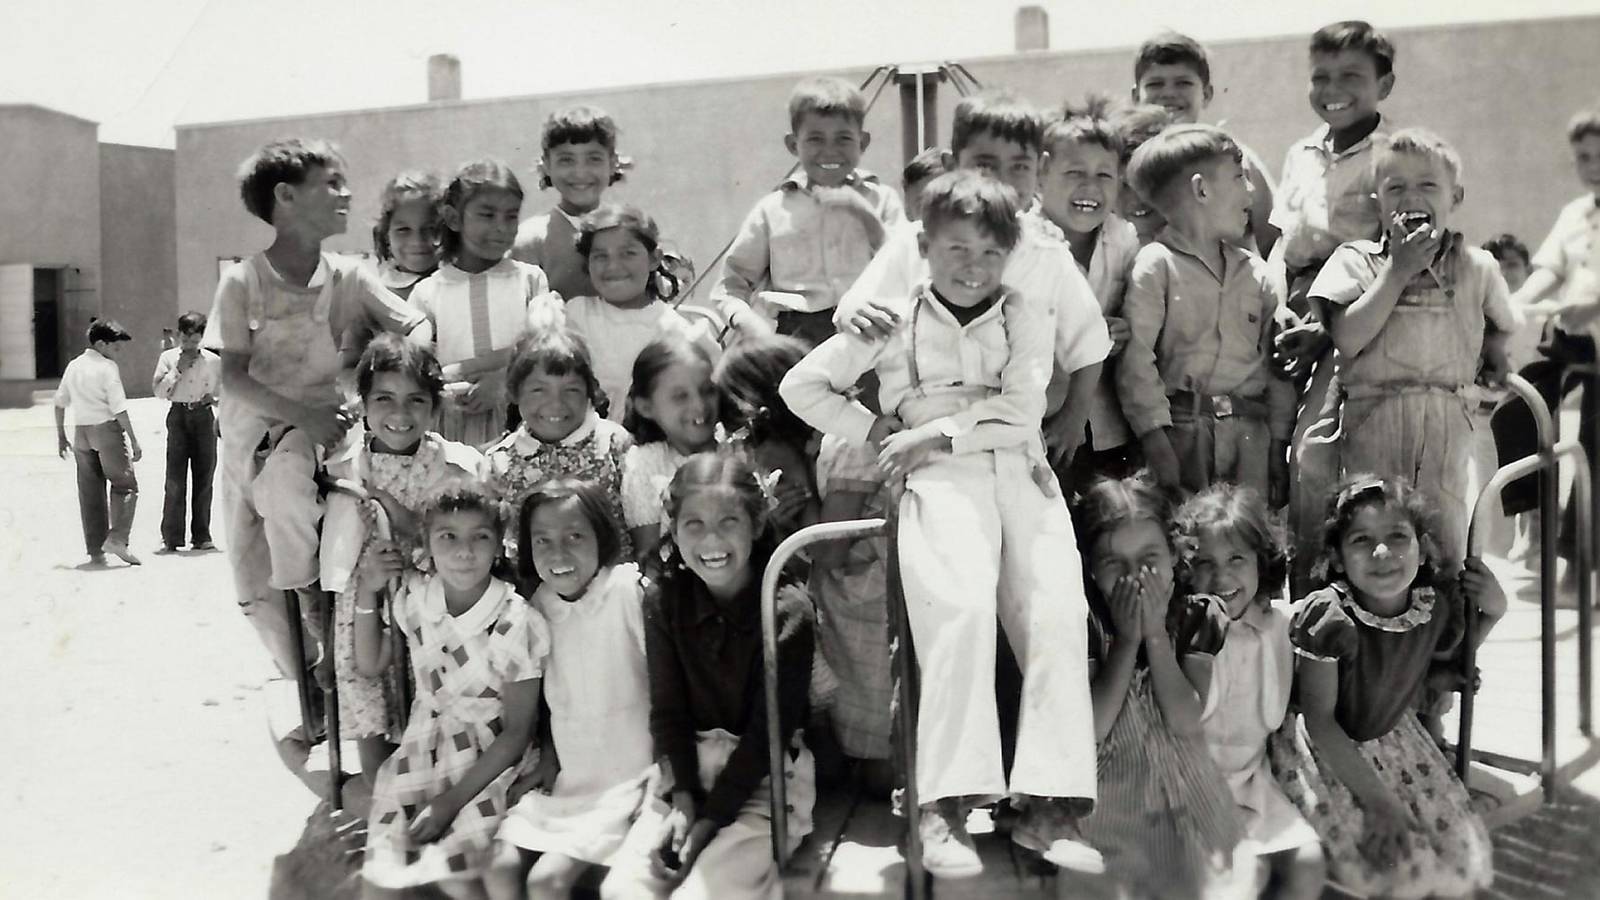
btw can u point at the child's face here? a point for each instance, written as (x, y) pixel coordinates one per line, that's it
(620, 265)
(580, 173)
(683, 403)
(1586, 158)
(1514, 269)
(714, 532)
(1078, 185)
(463, 545)
(414, 236)
(1345, 87)
(321, 203)
(1227, 199)
(1009, 161)
(1413, 189)
(552, 406)
(1135, 545)
(1146, 220)
(399, 411)
(1225, 566)
(488, 223)
(564, 547)
(1176, 86)
(964, 261)
(828, 147)
(1380, 552)
(189, 341)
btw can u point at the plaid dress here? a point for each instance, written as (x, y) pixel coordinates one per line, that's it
(461, 664)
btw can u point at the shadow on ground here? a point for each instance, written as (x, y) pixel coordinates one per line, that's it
(1551, 852)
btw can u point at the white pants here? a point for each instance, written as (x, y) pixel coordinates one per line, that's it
(978, 535)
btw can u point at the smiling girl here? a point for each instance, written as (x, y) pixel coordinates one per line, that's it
(672, 414)
(579, 159)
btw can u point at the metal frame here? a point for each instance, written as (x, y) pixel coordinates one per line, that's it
(305, 683)
(1585, 610)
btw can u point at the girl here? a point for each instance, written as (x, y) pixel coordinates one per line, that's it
(481, 302)
(406, 236)
(747, 378)
(562, 432)
(672, 414)
(1164, 820)
(388, 471)
(711, 837)
(580, 161)
(1355, 760)
(570, 546)
(1232, 550)
(477, 652)
(623, 248)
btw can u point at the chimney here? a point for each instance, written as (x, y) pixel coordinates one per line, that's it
(444, 77)
(1033, 29)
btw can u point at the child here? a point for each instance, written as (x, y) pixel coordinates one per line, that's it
(1165, 819)
(570, 546)
(396, 463)
(481, 302)
(477, 653)
(1171, 71)
(623, 249)
(103, 444)
(672, 414)
(923, 168)
(190, 378)
(812, 236)
(1407, 316)
(580, 161)
(1355, 760)
(1135, 125)
(1231, 549)
(1195, 380)
(754, 414)
(406, 236)
(982, 526)
(562, 433)
(711, 837)
(277, 322)
(1078, 188)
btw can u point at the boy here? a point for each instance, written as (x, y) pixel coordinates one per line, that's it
(1567, 265)
(103, 443)
(923, 168)
(190, 378)
(1171, 71)
(1512, 256)
(961, 383)
(276, 322)
(579, 159)
(806, 242)
(1195, 379)
(1407, 314)
(1002, 136)
(1135, 125)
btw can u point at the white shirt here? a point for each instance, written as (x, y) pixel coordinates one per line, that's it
(615, 336)
(92, 387)
(202, 378)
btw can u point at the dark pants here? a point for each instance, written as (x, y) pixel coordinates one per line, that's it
(811, 327)
(1514, 434)
(1090, 465)
(107, 491)
(191, 452)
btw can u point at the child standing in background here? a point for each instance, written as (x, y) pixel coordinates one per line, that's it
(923, 168)
(190, 378)
(579, 159)
(481, 302)
(103, 444)
(673, 408)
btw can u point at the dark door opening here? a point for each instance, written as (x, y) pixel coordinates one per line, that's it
(47, 284)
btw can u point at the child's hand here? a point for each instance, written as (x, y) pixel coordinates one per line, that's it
(1411, 253)
(667, 861)
(324, 425)
(435, 819)
(402, 522)
(1297, 349)
(1063, 437)
(1120, 331)
(1483, 589)
(904, 451)
(381, 561)
(540, 779)
(1387, 823)
(873, 320)
(1161, 458)
(882, 428)
(700, 834)
(63, 446)
(1152, 606)
(1125, 608)
(1496, 362)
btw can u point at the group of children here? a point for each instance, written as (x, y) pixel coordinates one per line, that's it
(540, 495)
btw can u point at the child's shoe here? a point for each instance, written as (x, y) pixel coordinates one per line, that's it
(120, 550)
(1048, 827)
(947, 848)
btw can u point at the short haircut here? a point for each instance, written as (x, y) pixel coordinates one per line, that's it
(1169, 48)
(1503, 245)
(999, 114)
(826, 96)
(1355, 34)
(1417, 142)
(107, 331)
(595, 504)
(965, 195)
(925, 165)
(554, 351)
(1137, 124)
(1584, 123)
(1085, 123)
(192, 323)
(470, 179)
(578, 125)
(404, 188)
(1175, 152)
(281, 162)
(393, 353)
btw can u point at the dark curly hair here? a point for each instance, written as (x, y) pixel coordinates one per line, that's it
(1365, 489)
(749, 373)
(393, 353)
(1237, 511)
(662, 284)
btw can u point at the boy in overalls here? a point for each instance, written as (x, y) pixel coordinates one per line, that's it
(276, 322)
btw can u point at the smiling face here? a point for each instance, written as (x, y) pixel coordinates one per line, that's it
(564, 547)
(552, 406)
(321, 203)
(580, 173)
(715, 533)
(414, 235)
(1176, 86)
(1414, 189)
(1346, 88)
(463, 545)
(399, 411)
(1125, 550)
(1146, 219)
(683, 403)
(488, 226)
(1015, 165)
(1078, 185)
(964, 261)
(1380, 554)
(620, 265)
(828, 147)
(1226, 566)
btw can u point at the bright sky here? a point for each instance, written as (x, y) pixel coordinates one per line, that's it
(140, 66)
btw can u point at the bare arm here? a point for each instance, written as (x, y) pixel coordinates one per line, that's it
(1180, 700)
(372, 651)
(1109, 687)
(1318, 682)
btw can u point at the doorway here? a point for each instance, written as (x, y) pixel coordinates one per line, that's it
(47, 294)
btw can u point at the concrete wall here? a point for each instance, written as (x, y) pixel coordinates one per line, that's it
(705, 151)
(138, 254)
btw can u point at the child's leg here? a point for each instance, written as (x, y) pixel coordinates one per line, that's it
(1244, 453)
(373, 750)
(553, 876)
(285, 496)
(507, 875)
(111, 446)
(203, 470)
(1194, 441)
(176, 494)
(92, 511)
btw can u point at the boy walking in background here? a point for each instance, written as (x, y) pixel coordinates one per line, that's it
(190, 378)
(103, 443)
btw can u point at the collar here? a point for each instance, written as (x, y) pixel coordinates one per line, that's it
(702, 607)
(92, 353)
(1177, 241)
(572, 220)
(319, 277)
(1419, 611)
(395, 278)
(923, 296)
(1321, 141)
(455, 273)
(799, 180)
(484, 610)
(594, 597)
(527, 443)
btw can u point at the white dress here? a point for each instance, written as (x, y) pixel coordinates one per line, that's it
(599, 697)
(615, 336)
(646, 472)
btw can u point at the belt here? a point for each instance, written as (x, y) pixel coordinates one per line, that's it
(196, 404)
(1219, 406)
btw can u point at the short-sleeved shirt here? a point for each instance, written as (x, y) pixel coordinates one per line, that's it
(1325, 198)
(1572, 250)
(550, 241)
(476, 313)
(91, 387)
(1383, 660)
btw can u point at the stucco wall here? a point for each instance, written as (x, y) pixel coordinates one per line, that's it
(137, 252)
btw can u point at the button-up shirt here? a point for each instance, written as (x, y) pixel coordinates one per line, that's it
(1109, 270)
(1572, 251)
(91, 387)
(201, 378)
(1325, 198)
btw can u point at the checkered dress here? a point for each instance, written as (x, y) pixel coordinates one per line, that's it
(461, 664)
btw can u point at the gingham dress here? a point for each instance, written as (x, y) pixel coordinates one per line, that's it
(462, 665)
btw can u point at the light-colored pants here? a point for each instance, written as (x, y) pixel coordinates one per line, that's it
(978, 535)
(107, 491)
(1236, 449)
(1423, 436)
(1498, 533)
